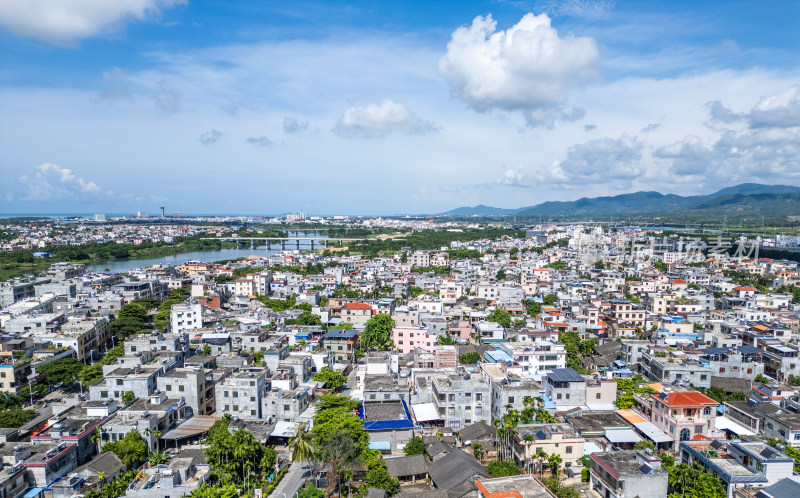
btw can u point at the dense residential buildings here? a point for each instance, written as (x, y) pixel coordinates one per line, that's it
(506, 347)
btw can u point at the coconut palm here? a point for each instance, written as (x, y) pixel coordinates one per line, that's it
(554, 461)
(300, 445)
(540, 457)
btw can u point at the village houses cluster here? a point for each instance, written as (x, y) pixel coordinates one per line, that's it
(604, 347)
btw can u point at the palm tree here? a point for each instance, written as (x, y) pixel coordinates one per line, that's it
(300, 445)
(97, 438)
(553, 461)
(540, 457)
(157, 435)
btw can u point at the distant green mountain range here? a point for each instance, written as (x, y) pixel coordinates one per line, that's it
(749, 198)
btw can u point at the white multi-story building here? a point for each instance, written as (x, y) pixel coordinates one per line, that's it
(186, 317)
(537, 358)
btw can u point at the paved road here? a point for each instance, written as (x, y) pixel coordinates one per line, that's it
(292, 481)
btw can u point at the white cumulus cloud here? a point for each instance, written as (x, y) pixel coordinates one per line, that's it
(378, 120)
(528, 67)
(65, 21)
(51, 181)
(600, 161)
(514, 178)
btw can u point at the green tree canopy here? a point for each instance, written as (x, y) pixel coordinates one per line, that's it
(14, 417)
(414, 446)
(130, 449)
(501, 317)
(470, 358)
(311, 492)
(332, 379)
(502, 469)
(61, 372)
(378, 332)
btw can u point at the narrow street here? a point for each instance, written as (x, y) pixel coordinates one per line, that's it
(291, 482)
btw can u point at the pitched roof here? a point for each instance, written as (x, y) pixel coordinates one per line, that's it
(476, 431)
(454, 469)
(684, 398)
(407, 465)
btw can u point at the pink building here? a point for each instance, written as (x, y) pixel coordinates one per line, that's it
(460, 330)
(407, 339)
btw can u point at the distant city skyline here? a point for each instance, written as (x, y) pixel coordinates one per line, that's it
(389, 108)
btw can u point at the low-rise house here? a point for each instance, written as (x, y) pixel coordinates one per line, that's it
(356, 313)
(341, 343)
(388, 424)
(627, 474)
(684, 414)
(408, 469)
(725, 463)
(783, 425)
(522, 486)
(456, 472)
(559, 439)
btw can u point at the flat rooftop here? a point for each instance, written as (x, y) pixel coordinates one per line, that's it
(388, 410)
(527, 486)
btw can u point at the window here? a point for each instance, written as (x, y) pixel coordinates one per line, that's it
(698, 429)
(181, 388)
(119, 382)
(169, 387)
(569, 449)
(235, 394)
(707, 411)
(225, 394)
(511, 400)
(782, 432)
(236, 408)
(598, 396)
(558, 396)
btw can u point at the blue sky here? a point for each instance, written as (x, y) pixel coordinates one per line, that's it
(389, 107)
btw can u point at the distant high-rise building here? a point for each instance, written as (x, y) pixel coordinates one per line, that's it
(162, 211)
(99, 217)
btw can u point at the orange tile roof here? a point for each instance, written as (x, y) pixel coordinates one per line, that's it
(631, 416)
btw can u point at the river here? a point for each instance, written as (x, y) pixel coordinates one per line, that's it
(126, 265)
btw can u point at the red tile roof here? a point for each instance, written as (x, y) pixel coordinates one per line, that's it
(686, 398)
(358, 306)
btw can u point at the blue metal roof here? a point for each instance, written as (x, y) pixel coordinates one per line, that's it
(565, 375)
(379, 425)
